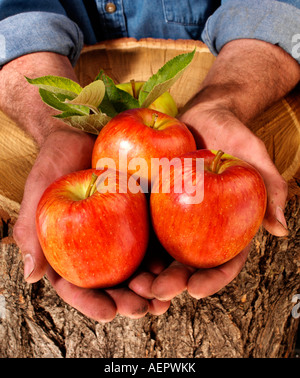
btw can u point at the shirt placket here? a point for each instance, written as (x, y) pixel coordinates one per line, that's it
(112, 14)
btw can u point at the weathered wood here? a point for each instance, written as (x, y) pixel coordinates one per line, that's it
(250, 317)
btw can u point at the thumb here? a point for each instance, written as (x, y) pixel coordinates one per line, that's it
(53, 161)
(277, 190)
(24, 232)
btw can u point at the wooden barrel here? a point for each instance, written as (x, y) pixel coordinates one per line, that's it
(127, 59)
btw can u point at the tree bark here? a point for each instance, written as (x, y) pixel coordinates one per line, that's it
(250, 317)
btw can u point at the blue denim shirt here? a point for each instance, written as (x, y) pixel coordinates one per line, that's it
(65, 26)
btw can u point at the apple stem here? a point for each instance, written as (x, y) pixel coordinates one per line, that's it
(92, 186)
(154, 119)
(132, 82)
(215, 165)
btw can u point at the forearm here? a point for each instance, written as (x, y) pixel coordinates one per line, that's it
(247, 77)
(21, 101)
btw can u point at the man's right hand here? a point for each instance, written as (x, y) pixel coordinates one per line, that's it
(64, 151)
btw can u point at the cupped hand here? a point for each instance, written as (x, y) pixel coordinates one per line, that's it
(166, 281)
(66, 150)
(217, 128)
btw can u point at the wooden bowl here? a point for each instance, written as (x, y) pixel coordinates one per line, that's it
(125, 59)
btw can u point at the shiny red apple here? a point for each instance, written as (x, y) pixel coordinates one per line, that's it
(136, 136)
(92, 233)
(211, 222)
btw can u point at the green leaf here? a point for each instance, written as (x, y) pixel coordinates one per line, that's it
(55, 102)
(90, 96)
(73, 101)
(165, 77)
(107, 107)
(91, 123)
(57, 85)
(119, 99)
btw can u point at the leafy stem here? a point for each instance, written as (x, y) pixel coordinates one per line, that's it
(102, 97)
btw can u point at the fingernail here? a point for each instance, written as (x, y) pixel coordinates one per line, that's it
(28, 265)
(280, 217)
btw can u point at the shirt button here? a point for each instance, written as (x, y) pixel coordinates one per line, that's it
(110, 7)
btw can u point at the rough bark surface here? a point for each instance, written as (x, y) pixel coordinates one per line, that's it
(251, 317)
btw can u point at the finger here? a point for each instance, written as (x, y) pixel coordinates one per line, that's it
(128, 303)
(172, 281)
(157, 307)
(141, 284)
(156, 265)
(277, 190)
(93, 303)
(206, 282)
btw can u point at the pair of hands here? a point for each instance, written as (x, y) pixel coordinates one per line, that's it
(159, 279)
(247, 76)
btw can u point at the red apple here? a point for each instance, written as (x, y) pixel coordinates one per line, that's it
(96, 239)
(211, 230)
(136, 136)
(164, 103)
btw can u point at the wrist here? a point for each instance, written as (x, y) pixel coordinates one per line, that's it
(210, 103)
(21, 101)
(247, 77)
(50, 125)
(210, 98)
(65, 150)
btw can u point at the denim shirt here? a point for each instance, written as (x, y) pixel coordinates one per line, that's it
(65, 26)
